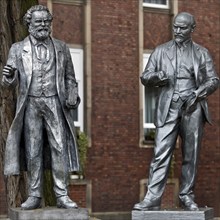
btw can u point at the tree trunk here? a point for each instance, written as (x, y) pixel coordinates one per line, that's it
(11, 30)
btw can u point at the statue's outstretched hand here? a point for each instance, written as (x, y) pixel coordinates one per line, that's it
(8, 71)
(163, 79)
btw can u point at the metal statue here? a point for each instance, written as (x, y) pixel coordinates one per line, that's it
(41, 69)
(184, 73)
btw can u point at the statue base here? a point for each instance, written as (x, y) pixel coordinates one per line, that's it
(48, 213)
(180, 214)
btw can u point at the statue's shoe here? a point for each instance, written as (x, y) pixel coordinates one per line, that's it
(148, 204)
(188, 203)
(31, 203)
(66, 203)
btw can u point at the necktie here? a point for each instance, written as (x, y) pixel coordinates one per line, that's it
(42, 52)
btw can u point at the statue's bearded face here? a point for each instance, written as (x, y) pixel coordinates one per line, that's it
(40, 25)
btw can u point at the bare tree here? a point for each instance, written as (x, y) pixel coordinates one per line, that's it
(11, 30)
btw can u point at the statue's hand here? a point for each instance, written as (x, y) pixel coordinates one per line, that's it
(191, 103)
(71, 105)
(163, 82)
(163, 79)
(8, 71)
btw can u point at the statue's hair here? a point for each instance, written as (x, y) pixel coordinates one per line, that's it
(190, 16)
(28, 15)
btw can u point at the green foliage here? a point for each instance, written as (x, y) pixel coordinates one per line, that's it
(150, 134)
(82, 141)
(49, 196)
(172, 167)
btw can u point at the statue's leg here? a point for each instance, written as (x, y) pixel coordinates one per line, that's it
(165, 141)
(159, 168)
(55, 127)
(33, 130)
(191, 134)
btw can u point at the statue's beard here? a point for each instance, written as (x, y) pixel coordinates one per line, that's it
(40, 33)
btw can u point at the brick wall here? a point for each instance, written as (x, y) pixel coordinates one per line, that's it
(77, 192)
(115, 160)
(68, 23)
(157, 29)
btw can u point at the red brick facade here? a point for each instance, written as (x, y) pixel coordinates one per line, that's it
(68, 23)
(155, 23)
(116, 163)
(78, 193)
(115, 98)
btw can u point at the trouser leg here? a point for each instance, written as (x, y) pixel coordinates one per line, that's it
(159, 167)
(33, 126)
(55, 127)
(165, 141)
(191, 133)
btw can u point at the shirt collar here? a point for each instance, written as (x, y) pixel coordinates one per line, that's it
(35, 41)
(185, 44)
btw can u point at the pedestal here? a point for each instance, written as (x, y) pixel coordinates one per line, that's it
(49, 213)
(202, 214)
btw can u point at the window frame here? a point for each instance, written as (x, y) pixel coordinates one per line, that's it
(153, 5)
(146, 125)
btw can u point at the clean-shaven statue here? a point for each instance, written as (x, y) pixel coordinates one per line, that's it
(184, 73)
(41, 69)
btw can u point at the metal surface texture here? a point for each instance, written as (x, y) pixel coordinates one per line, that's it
(185, 75)
(42, 70)
(49, 213)
(201, 214)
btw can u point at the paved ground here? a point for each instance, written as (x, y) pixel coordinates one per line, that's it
(92, 218)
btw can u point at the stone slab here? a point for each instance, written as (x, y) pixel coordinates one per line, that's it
(179, 214)
(49, 213)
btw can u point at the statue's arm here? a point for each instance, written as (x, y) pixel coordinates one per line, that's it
(72, 97)
(151, 75)
(211, 80)
(10, 72)
(209, 84)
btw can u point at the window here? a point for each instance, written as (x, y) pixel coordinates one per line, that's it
(77, 58)
(149, 107)
(156, 3)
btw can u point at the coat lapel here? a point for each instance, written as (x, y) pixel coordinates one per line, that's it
(195, 58)
(27, 59)
(59, 56)
(171, 52)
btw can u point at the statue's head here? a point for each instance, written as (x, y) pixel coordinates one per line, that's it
(38, 19)
(183, 26)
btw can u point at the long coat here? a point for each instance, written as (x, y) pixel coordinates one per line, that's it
(163, 59)
(20, 57)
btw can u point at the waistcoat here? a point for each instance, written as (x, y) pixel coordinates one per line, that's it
(43, 81)
(185, 76)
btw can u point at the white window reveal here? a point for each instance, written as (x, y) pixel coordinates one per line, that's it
(77, 58)
(150, 94)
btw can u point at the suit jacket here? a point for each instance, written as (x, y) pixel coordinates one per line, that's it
(20, 57)
(161, 65)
